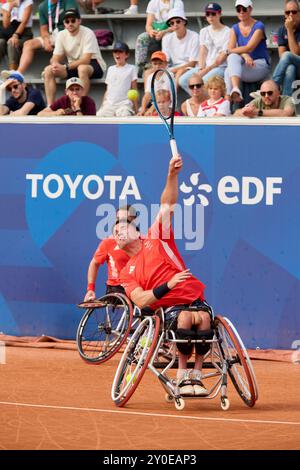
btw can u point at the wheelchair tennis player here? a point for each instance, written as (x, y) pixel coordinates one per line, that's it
(156, 276)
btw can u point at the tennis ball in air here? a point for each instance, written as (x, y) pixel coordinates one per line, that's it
(132, 95)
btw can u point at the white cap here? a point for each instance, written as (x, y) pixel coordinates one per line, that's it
(176, 13)
(244, 3)
(73, 81)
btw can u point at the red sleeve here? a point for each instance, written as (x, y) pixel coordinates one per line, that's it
(101, 253)
(161, 232)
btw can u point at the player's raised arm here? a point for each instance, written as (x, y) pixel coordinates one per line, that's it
(170, 193)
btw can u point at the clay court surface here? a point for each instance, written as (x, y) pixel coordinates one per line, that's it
(51, 399)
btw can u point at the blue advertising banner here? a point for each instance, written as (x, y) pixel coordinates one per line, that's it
(236, 224)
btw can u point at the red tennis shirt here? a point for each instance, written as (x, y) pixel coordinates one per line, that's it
(108, 251)
(157, 262)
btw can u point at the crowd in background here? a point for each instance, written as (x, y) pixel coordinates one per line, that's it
(221, 70)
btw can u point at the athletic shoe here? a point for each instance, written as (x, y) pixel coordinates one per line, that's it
(132, 10)
(199, 388)
(185, 385)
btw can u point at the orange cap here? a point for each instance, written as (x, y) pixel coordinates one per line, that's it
(159, 55)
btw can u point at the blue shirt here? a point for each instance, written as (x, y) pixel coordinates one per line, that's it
(33, 96)
(283, 37)
(261, 51)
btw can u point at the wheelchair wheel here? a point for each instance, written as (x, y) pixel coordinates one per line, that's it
(240, 369)
(135, 360)
(103, 330)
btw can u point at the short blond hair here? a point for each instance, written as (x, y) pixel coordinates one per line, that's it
(216, 82)
(162, 93)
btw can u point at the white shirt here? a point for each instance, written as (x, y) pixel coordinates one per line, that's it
(74, 47)
(160, 9)
(17, 12)
(209, 108)
(163, 83)
(118, 81)
(181, 51)
(215, 42)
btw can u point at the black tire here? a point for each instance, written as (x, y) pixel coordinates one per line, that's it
(240, 369)
(103, 330)
(135, 360)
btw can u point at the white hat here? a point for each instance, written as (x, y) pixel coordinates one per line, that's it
(244, 3)
(73, 81)
(176, 13)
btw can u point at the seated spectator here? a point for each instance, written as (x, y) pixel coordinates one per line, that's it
(288, 68)
(216, 105)
(213, 46)
(24, 100)
(181, 46)
(163, 100)
(248, 58)
(77, 45)
(17, 23)
(120, 78)
(49, 27)
(269, 104)
(156, 28)
(158, 61)
(73, 103)
(191, 106)
(89, 6)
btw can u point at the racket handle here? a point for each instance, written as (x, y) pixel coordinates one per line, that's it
(173, 147)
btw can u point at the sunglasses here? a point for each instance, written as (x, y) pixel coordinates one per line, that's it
(266, 93)
(175, 22)
(13, 87)
(210, 13)
(293, 12)
(195, 85)
(71, 20)
(241, 9)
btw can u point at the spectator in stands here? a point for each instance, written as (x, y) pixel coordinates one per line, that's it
(78, 45)
(156, 28)
(181, 46)
(49, 27)
(163, 100)
(269, 104)
(214, 40)
(89, 6)
(216, 105)
(73, 103)
(24, 100)
(17, 23)
(120, 78)
(191, 106)
(158, 61)
(248, 58)
(288, 68)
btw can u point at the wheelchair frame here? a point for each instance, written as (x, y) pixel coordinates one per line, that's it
(146, 349)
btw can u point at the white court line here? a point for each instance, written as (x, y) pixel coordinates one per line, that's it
(155, 415)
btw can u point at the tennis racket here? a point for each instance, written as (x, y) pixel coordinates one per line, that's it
(163, 94)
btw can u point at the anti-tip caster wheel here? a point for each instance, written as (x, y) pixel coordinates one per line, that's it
(225, 403)
(179, 404)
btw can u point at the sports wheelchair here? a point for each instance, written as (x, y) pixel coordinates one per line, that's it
(105, 326)
(153, 346)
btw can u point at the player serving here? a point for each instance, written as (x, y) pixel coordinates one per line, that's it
(155, 276)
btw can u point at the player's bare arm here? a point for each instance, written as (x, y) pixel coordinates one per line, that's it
(92, 276)
(170, 193)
